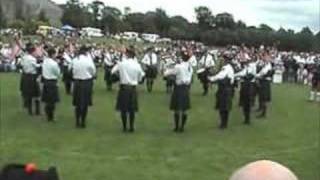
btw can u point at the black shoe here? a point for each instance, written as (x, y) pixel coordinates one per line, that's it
(246, 123)
(131, 130)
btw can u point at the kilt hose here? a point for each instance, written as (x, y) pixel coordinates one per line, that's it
(82, 93)
(180, 98)
(127, 99)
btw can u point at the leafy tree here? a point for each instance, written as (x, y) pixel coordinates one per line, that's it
(42, 16)
(204, 17)
(96, 7)
(111, 19)
(3, 20)
(75, 14)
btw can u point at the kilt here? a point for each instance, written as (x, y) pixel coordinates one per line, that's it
(224, 96)
(315, 84)
(29, 86)
(264, 90)
(151, 72)
(107, 73)
(127, 99)
(82, 93)
(203, 76)
(170, 79)
(50, 92)
(180, 98)
(246, 94)
(67, 74)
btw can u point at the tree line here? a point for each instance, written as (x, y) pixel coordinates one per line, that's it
(218, 30)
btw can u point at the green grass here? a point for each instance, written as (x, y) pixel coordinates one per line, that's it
(290, 135)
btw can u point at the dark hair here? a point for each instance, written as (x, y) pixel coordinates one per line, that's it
(185, 56)
(51, 51)
(83, 50)
(30, 48)
(130, 52)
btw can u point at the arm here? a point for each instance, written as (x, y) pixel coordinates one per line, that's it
(115, 69)
(264, 71)
(221, 75)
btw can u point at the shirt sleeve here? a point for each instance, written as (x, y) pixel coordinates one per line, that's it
(115, 69)
(56, 70)
(221, 75)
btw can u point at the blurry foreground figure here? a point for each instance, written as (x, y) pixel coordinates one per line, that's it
(263, 170)
(22, 172)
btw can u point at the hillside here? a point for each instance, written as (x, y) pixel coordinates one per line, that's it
(31, 8)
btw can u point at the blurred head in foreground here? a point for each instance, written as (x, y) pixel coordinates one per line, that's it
(263, 170)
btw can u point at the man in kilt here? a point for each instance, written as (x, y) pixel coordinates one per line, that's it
(29, 85)
(315, 83)
(109, 62)
(180, 98)
(130, 73)
(264, 77)
(224, 94)
(84, 72)
(50, 75)
(150, 64)
(168, 63)
(205, 65)
(247, 85)
(67, 73)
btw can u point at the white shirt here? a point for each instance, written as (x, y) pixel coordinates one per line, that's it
(67, 59)
(83, 68)
(130, 71)
(108, 59)
(29, 64)
(226, 72)
(249, 69)
(193, 61)
(183, 73)
(150, 59)
(266, 68)
(206, 61)
(50, 69)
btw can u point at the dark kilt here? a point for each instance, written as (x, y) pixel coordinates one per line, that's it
(264, 90)
(151, 72)
(170, 80)
(224, 96)
(67, 74)
(127, 99)
(29, 86)
(203, 76)
(50, 92)
(315, 84)
(107, 73)
(247, 92)
(180, 98)
(82, 93)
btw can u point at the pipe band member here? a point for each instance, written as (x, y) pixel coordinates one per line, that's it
(130, 74)
(224, 94)
(50, 74)
(109, 63)
(247, 86)
(180, 98)
(150, 63)
(29, 85)
(205, 65)
(264, 77)
(84, 71)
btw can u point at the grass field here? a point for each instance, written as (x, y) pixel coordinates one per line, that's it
(290, 135)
